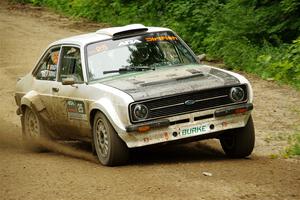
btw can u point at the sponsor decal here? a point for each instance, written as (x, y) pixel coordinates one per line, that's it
(160, 136)
(160, 38)
(101, 48)
(76, 110)
(194, 130)
(146, 139)
(128, 42)
(166, 135)
(224, 124)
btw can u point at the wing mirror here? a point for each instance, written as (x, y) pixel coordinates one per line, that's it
(201, 57)
(68, 81)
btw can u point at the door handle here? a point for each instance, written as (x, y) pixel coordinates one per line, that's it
(55, 89)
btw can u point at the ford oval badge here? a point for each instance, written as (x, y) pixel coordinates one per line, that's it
(189, 102)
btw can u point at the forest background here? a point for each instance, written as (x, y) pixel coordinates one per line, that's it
(256, 36)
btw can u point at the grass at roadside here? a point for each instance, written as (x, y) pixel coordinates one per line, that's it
(294, 148)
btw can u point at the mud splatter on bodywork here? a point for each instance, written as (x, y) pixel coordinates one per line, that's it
(171, 80)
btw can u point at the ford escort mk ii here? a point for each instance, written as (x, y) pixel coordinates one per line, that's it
(133, 86)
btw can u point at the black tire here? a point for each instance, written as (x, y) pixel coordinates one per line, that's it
(33, 130)
(110, 149)
(239, 143)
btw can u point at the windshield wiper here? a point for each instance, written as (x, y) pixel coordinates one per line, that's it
(129, 69)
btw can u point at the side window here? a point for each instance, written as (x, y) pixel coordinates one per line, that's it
(70, 64)
(48, 65)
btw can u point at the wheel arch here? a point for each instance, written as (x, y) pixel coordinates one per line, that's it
(31, 100)
(106, 107)
(92, 115)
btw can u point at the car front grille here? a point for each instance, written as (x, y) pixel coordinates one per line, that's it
(187, 103)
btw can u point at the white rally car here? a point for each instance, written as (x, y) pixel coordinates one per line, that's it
(132, 86)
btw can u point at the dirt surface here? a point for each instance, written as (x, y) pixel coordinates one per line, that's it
(70, 171)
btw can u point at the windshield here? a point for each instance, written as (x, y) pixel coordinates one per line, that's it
(145, 52)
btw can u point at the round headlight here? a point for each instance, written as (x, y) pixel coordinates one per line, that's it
(237, 94)
(140, 111)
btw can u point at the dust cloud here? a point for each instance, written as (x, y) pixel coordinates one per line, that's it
(65, 148)
(72, 149)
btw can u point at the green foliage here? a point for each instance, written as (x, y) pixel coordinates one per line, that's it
(285, 66)
(258, 36)
(294, 148)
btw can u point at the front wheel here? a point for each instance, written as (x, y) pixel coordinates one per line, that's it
(110, 149)
(239, 143)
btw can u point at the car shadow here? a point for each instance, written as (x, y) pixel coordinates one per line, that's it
(179, 153)
(158, 154)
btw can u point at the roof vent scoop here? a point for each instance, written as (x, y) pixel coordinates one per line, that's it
(123, 31)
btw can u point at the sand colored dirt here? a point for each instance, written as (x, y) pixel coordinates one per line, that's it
(70, 171)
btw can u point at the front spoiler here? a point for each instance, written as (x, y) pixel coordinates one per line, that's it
(218, 113)
(208, 128)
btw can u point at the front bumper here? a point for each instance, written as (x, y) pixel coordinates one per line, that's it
(188, 126)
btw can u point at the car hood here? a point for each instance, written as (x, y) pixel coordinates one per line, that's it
(170, 80)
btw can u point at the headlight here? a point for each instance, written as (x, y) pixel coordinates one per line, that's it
(236, 94)
(140, 111)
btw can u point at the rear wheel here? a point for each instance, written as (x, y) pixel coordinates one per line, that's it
(239, 143)
(109, 147)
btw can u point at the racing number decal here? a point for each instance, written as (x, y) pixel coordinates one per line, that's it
(160, 38)
(76, 110)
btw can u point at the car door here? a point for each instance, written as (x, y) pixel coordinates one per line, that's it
(71, 100)
(45, 75)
